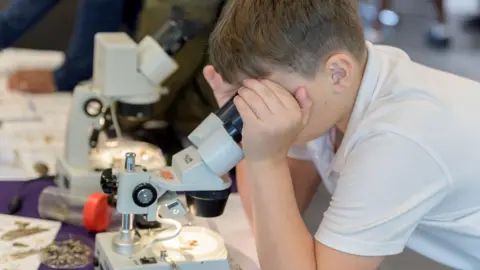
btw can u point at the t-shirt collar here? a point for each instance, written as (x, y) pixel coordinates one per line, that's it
(368, 86)
(365, 95)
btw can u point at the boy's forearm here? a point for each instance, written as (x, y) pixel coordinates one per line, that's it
(244, 189)
(304, 186)
(282, 239)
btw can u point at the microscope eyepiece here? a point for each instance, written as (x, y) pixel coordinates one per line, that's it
(173, 35)
(232, 122)
(138, 111)
(207, 204)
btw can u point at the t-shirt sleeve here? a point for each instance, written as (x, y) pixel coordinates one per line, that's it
(388, 184)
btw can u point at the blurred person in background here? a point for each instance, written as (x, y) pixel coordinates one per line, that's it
(93, 16)
(437, 36)
(472, 24)
(190, 98)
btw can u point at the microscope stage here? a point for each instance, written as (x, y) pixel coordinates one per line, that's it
(84, 181)
(196, 248)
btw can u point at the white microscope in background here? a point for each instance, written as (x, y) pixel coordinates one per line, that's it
(126, 78)
(201, 172)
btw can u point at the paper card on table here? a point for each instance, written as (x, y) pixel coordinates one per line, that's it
(19, 161)
(16, 108)
(11, 247)
(37, 134)
(52, 105)
(30, 159)
(28, 164)
(14, 174)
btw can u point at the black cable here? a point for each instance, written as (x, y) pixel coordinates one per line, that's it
(15, 204)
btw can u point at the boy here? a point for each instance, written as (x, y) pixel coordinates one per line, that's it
(405, 139)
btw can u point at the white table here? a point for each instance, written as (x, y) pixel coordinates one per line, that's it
(33, 126)
(234, 228)
(27, 137)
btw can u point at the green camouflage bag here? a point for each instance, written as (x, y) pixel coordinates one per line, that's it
(190, 98)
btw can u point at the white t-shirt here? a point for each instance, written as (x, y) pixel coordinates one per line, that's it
(408, 170)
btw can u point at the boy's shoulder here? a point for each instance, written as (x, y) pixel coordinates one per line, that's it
(413, 99)
(391, 52)
(400, 72)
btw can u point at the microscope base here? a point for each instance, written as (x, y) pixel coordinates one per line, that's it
(81, 181)
(209, 253)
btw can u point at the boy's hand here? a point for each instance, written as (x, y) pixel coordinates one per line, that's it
(222, 90)
(272, 119)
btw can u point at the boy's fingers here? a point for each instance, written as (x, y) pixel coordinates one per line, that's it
(255, 102)
(267, 95)
(282, 94)
(244, 110)
(305, 104)
(17, 82)
(13, 82)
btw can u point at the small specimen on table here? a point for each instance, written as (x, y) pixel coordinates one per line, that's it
(41, 168)
(61, 211)
(19, 245)
(234, 265)
(118, 162)
(38, 240)
(188, 245)
(23, 230)
(66, 254)
(142, 152)
(21, 224)
(21, 255)
(48, 139)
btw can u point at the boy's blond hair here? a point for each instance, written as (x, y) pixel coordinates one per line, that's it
(254, 36)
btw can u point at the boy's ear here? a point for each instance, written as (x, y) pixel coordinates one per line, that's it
(337, 73)
(339, 69)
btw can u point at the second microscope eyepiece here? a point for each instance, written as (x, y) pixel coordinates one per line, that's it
(232, 122)
(138, 111)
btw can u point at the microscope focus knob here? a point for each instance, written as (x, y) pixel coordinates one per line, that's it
(144, 195)
(108, 182)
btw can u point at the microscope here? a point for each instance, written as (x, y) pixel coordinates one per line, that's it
(200, 171)
(126, 78)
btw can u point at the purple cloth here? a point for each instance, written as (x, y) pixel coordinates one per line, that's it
(30, 196)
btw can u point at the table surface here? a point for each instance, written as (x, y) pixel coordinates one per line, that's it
(33, 128)
(29, 207)
(232, 225)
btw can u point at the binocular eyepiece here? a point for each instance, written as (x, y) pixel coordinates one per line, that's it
(212, 203)
(207, 204)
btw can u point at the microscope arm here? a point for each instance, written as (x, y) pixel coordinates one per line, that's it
(142, 192)
(201, 171)
(87, 108)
